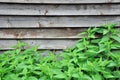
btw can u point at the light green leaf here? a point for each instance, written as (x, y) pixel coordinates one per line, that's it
(96, 77)
(32, 78)
(117, 38)
(108, 75)
(112, 64)
(104, 39)
(105, 31)
(60, 76)
(86, 77)
(11, 76)
(117, 74)
(75, 75)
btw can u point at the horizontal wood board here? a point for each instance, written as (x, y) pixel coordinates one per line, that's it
(43, 44)
(55, 22)
(60, 1)
(59, 10)
(66, 33)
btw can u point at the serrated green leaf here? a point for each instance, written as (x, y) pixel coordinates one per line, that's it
(32, 78)
(115, 46)
(117, 74)
(108, 75)
(91, 53)
(95, 41)
(60, 76)
(86, 77)
(112, 64)
(104, 39)
(105, 31)
(96, 76)
(75, 75)
(11, 76)
(116, 38)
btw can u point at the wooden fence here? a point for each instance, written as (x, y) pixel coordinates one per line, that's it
(52, 24)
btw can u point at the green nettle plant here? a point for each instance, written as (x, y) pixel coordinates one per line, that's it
(94, 57)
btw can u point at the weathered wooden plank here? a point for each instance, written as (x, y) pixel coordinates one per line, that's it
(42, 22)
(66, 33)
(60, 1)
(44, 44)
(59, 10)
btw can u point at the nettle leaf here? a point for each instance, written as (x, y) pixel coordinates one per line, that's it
(91, 53)
(80, 46)
(57, 71)
(37, 73)
(115, 46)
(21, 66)
(25, 71)
(82, 57)
(112, 64)
(102, 48)
(32, 78)
(60, 76)
(100, 30)
(116, 38)
(93, 47)
(111, 26)
(75, 75)
(97, 76)
(11, 76)
(91, 35)
(108, 75)
(31, 50)
(103, 63)
(94, 29)
(83, 33)
(105, 31)
(95, 41)
(86, 77)
(87, 66)
(20, 45)
(117, 74)
(104, 39)
(18, 51)
(43, 78)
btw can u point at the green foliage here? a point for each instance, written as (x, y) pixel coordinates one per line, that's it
(92, 58)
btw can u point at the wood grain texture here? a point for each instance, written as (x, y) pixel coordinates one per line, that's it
(43, 44)
(59, 10)
(60, 1)
(66, 33)
(55, 22)
(52, 24)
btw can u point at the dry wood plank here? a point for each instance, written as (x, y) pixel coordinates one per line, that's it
(49, 22)
(43, 44)
(66, 33)
(59, 10)
(60, 1)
